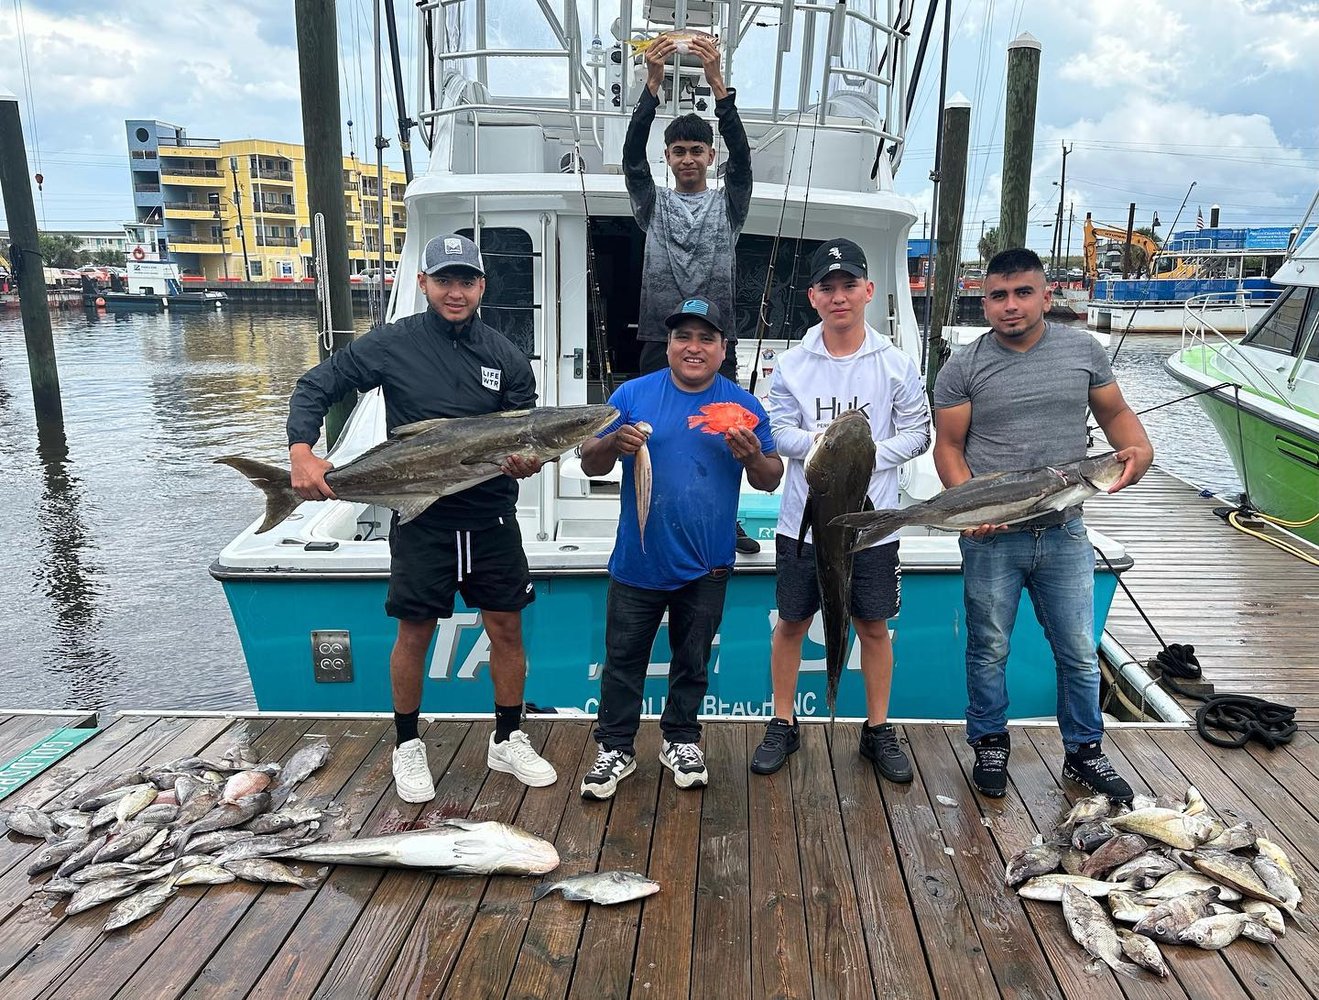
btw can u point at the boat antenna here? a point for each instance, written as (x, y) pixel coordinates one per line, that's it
(786, 323)
(593, 286)
(376, 292)
(405, 124)
(762, 315)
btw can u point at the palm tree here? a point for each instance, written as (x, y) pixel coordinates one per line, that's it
(988, 245)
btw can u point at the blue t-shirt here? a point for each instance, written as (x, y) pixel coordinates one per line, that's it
(695, 482)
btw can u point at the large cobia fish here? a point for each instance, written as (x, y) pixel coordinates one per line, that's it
(456, 847)
(838, 469)
(996, 498)
(429, 459)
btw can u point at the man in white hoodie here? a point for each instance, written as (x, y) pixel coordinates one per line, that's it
(841, 364)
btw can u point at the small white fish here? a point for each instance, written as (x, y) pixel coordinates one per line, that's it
(642, 478)
(605, 888)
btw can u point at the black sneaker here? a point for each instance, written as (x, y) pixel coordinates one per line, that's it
(990, 774)
(781, 739)
(610, 767)
(745, 543)
(1091, 768)
(880, 745)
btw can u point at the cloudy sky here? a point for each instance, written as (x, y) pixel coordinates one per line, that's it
(1150, 97)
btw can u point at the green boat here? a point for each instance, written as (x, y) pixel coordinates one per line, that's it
(1262, 393)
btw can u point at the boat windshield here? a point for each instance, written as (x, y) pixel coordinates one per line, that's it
(1296, 311)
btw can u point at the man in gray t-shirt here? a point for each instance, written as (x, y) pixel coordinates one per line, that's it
(1018, 399)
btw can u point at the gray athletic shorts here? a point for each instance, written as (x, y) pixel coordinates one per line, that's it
(876, 581)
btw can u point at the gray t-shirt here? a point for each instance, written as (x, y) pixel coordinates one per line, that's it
(1028, 408)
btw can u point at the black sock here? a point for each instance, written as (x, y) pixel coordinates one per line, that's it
(508, 719)
(405, 726)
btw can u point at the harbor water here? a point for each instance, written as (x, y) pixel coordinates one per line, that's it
(107, 603)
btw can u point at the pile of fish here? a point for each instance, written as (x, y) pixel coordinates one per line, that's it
(1168, 869)
(139, 836)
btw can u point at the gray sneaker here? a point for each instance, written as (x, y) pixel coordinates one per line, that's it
(610, 767)
(686, 762)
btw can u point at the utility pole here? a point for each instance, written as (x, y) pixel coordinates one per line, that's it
(1071, 218)
(979, 257)
(1018, 139)
(956, 130)
(318, 74)
(935, 174)
(1058, 227)
(25, 260)
(238, 210)
(1131, 228)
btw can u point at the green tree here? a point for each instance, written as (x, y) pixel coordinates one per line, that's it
(108, 258)
(988, 245)
(1137, 261)
(61, 250)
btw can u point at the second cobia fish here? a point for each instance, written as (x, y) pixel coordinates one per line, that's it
(997, 498)
(838, 469)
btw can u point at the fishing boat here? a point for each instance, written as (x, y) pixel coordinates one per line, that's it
(527, 162)
(1226, 271)
(1262, 393)
(153, 286)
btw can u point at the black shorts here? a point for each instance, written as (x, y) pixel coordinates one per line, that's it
(429, 565)
(876, 581)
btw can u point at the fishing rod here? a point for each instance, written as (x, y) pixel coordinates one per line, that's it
(801, 233)
(762, 319)
(405, 124)
(597, 308)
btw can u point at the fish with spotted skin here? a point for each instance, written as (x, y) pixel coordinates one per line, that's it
(1092, 930)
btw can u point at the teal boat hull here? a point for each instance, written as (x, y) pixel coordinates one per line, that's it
(564, 632)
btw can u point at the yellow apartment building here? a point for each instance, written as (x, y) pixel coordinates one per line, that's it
(237, 208)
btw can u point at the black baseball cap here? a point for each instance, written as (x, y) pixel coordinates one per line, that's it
(698, 308)
(837, 255)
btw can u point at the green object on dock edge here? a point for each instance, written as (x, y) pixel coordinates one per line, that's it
(18, 771)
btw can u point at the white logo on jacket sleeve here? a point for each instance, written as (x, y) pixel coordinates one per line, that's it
(490, 378)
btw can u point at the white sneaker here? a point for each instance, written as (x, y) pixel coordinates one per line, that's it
(412, 772)
(516, 756)
(686, 762)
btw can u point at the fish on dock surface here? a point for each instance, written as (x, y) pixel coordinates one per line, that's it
(456, 847)
(996, 498)
(1091, 928)
(838, 470)
(605, 888)
(424, 461)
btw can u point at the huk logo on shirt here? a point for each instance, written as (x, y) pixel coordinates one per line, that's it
(490, 378)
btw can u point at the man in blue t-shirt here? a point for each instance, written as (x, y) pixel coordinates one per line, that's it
(700, 431)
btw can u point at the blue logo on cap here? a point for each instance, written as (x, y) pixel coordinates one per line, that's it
(696, 307)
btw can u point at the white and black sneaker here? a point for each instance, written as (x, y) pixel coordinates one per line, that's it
(610, 767)
(1090, 768)
(686, 762)
(990, 774)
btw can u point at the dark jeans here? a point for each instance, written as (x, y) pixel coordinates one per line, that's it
(632, 618)
(655, 355)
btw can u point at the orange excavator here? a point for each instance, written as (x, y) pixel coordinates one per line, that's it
(1096, 231)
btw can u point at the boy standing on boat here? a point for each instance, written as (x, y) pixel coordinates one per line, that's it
(704, 431)
(842, 364)
(444, 362)
(1017, 399)
(691, 230)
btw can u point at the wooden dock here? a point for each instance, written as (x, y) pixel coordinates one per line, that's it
(819, 881)
(1250, 610)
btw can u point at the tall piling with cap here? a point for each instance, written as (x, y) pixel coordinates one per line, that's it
(27, 265)
(318, 74)
(956, 129)
(1018, 140)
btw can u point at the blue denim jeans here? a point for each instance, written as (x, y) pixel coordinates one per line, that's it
(1056, 565)
(632, 618)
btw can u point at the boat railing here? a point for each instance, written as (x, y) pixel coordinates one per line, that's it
(862, 80)
(1198, 330)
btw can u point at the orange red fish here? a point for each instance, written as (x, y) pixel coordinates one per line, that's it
(720, 418)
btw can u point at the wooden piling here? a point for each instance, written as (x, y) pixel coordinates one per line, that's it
(30, 279)
(318, 73)
(948, 226)
(1018, 140)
